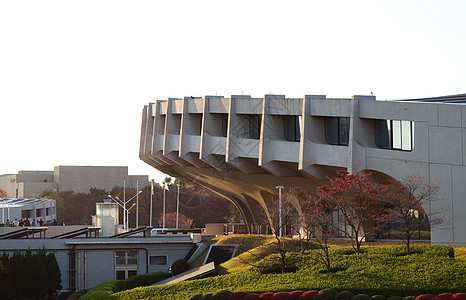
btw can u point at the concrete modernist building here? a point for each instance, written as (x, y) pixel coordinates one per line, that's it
(243, 147)
(69, 178)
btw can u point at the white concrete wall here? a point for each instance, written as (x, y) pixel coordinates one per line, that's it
(245, 170)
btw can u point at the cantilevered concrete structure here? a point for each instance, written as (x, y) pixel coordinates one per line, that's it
(243, 147)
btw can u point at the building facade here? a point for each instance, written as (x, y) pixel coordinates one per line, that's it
(243, 147)
(79, 179)
(86, 262)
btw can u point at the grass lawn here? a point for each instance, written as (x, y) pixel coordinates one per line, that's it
(378, 270)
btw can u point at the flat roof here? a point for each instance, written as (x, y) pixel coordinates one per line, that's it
(454, 99)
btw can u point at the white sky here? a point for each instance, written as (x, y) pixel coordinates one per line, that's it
(75, 75)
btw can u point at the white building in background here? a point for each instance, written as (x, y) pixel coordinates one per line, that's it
(243, 147)
(79, 179)
(20, 208)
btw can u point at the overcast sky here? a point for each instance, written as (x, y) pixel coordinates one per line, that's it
(75, 75)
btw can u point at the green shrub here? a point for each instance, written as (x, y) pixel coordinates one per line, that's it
(142, 280)
(326, 294)
(196, 297)
(207, 296)
(345, 295)
(379, 297)
(179, 266)
(221, 295)
(361, 297)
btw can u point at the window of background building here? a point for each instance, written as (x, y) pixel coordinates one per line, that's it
(158, 260)
(292, 128)
(394, 134)
(337, 131)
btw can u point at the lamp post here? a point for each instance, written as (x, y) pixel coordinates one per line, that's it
(279, 187)
(151, 195)
(125, 210)
(177, 204)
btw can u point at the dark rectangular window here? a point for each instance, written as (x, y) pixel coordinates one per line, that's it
(292, 128)
(224, 125)
(337, 131)
(255, 126)
(157, 260)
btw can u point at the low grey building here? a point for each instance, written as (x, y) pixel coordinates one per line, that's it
(86, 262)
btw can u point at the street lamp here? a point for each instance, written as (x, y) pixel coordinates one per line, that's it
(125, 210)
(279, 187)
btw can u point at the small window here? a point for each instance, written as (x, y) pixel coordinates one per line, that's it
(125, 274)
(157, 260)
(337, 131)
(126, 257)
(224, 125)
(255, 126)
(292, 128)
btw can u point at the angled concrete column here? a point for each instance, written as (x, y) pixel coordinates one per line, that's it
(357, 133)
(242, 149)
(213, 143)
(190, 132)
(171, 144)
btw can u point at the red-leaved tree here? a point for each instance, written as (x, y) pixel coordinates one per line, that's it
(358, 200)
(170, 221)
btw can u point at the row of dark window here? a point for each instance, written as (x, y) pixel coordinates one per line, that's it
(389, 134)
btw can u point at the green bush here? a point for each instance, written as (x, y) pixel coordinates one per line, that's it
(378, 297)
(179, 266)
(221, 295)
(361, 297)
(142, 280)
(345, 295)
(106, 289)
(326, 294)
(207, 296)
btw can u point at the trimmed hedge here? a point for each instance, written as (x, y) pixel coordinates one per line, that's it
(106, 289)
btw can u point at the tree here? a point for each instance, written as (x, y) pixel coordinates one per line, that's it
(280, 219)
(357, 199)
(317, 222)
(3, 193)
(170, 221)
(405, 206)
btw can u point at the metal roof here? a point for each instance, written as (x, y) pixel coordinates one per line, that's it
(16, 202)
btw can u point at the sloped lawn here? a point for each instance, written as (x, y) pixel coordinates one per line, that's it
(381, 270)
